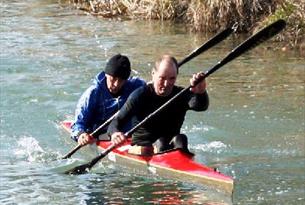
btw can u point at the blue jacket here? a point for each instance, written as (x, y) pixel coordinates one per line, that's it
(96, 105)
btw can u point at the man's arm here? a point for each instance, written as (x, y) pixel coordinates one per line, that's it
(199, 100)
(125, 114)
(83, 113)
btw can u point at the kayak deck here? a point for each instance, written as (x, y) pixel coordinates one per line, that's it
(174, 164)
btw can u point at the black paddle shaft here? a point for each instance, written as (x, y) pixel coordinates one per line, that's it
(248, 44)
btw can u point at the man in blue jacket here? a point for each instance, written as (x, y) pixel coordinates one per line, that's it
(104, 98)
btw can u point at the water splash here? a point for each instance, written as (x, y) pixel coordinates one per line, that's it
(199, 127)
(29, 148)
(215, 146)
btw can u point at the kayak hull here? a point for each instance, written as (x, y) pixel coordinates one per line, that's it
(174, 164)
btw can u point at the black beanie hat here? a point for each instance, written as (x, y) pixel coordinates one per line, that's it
(118, 66)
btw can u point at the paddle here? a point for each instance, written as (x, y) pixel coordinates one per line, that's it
(94, 134)
(248, 44)
(207, 45)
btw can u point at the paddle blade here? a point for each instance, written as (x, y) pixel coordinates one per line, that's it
(259, 37)
(256, 39)
(82, 169)
(85, 168)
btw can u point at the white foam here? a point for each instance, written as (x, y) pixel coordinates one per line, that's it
(215, 146)
(29, 148)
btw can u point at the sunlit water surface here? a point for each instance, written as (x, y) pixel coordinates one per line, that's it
(253, 130)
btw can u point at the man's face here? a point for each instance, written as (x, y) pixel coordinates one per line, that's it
(114, 84)
(164, 78)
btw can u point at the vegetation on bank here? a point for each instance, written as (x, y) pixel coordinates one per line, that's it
(209, 15)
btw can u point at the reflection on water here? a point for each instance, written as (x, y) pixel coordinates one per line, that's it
(253, 130)
(148, 191)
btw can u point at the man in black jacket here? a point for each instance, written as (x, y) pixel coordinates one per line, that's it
(163, 129)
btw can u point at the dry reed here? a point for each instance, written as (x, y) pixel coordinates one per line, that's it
(207, 15)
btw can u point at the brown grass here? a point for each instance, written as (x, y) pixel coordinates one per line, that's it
(211, 15)
(144, 9)
(208, 15)
(200, 15)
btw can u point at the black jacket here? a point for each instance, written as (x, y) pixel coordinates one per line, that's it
(166, 123)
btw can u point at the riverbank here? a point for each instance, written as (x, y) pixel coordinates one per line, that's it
(209, 16)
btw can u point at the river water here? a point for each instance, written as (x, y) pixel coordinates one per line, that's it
(253, 130)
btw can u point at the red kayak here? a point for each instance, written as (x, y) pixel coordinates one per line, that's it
(174, 164)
